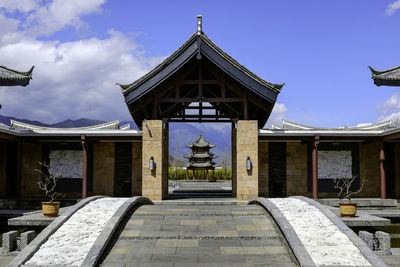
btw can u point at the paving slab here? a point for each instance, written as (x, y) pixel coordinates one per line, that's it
(201, 235)
(362, 219)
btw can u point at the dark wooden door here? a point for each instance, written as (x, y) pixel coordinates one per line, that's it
(123, 169)
(277, 169)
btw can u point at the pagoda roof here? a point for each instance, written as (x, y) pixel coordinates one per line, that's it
(10, 77)
(200, 142)
(208, 164)
(389, 77)
(200, 43)
(150, 96)
(201, 155)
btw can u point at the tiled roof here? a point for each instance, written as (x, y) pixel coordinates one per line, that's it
(201, 155)
(127, 88)
(207, 164)
(10, 77)
(113, 125)
(390, 77)
(289, 125)
(200, 142)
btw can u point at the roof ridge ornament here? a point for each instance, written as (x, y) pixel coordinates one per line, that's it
(199, 24)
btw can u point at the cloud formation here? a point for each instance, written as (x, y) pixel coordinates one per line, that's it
(392, 8)
(390, 109)
(277, 115)
(71, 79)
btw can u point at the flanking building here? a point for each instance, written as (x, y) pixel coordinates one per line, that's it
(291, 159)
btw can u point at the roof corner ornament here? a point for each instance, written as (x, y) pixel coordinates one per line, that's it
(199, 24)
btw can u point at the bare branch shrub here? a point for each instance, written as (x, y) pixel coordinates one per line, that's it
(47, 181)
(343, 184)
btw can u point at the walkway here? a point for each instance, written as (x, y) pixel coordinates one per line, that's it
(202, 235)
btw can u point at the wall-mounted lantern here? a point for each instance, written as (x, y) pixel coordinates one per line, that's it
(249, 166)
(151, 164)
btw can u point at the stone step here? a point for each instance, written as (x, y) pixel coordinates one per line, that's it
(223, 201)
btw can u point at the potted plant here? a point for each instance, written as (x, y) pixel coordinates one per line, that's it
(347, 207)
(47, 183)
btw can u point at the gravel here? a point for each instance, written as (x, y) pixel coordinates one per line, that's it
(325, 243)
(69, 245)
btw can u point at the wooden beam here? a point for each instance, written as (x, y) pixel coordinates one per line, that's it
(84, 163)
(155, 107)
(195, 116)
(8, 137)
(184, 120)
(382, 172)
(188, 82)
(315, 167)
(196, 99)
(245, 106)
(390, 137)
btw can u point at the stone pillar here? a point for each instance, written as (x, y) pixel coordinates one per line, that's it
(155, 182)
(247, 146)
(26, 238)
(9, 241)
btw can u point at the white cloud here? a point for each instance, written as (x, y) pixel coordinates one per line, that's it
(392, 8)
(59, 14)
(19, 5)
(390, 109)
(71, 79)
(391, 105)
(277, 115)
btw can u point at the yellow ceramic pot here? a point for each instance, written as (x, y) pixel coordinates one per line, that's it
(348, 209)
(50, 209)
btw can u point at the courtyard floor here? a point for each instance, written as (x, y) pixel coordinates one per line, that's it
(200, 235)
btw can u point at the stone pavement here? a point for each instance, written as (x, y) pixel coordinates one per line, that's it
(202, 235)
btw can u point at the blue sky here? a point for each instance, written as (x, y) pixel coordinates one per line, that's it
(320, 49)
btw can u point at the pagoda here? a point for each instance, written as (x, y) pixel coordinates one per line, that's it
(200, 158)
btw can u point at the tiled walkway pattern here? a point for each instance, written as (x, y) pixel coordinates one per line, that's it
(181, 235)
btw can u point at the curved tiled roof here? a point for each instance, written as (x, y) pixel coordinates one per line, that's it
(208, 164)
(289, 125)
(200, 142)
(128, 88)
(389, 77)
(10, 77)
(204, 155)
(113, 125)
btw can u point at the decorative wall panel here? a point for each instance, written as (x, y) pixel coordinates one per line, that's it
(66, 163)
(334, 164)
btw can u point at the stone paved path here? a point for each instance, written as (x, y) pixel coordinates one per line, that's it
(182, 235)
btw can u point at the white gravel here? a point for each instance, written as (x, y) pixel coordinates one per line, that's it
(325, 243)
(70, 244)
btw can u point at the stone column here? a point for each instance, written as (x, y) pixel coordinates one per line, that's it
(247, 146)
(155, 182)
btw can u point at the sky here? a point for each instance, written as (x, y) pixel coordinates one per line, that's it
(321, 50)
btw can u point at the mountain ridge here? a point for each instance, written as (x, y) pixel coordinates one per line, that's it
(180, 134)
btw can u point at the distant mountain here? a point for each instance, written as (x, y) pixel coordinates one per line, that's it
(180, 134)
(76, 123)
(6, 120)
(64, 124)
